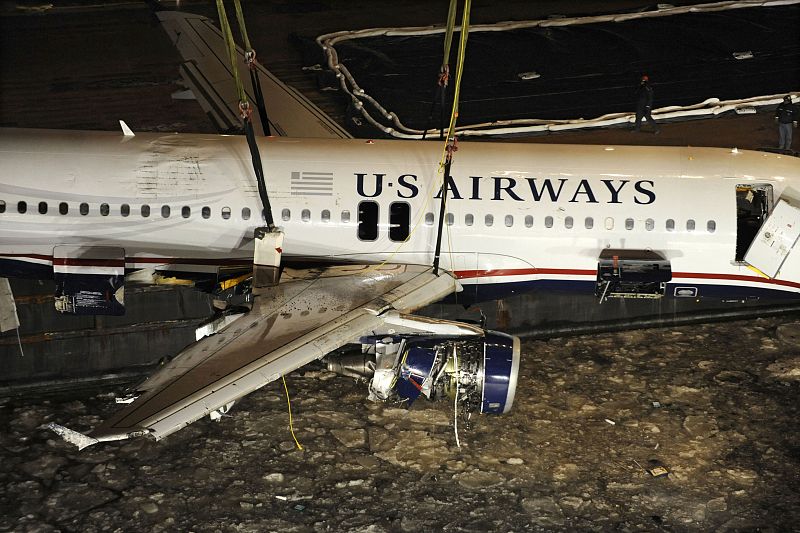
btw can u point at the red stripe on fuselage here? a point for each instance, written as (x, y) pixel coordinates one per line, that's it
(71, 261)
(62, 261)
(472, 274)
(460, 274)
(468, 274)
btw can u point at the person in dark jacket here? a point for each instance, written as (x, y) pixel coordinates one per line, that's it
(786, 117)
(644, 104)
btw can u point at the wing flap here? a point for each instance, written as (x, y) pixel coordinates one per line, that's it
(290, 325)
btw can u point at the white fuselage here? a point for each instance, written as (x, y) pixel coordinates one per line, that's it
(517, 212)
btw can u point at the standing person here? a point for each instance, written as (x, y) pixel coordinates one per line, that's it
(786, 117)
(644, 104)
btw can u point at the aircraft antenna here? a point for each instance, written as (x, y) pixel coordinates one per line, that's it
(451, 144)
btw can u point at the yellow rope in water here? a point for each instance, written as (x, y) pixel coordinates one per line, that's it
(291, 423)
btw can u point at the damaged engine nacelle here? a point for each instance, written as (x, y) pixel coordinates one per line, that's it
(480, 371)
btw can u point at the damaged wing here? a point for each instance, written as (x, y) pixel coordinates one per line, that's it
(309, 314)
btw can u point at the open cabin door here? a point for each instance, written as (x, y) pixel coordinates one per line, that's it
(775, 240)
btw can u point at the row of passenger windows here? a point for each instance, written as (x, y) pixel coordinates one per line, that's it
(400, 210)
(125, 210)
(569, 222)
(399, 217)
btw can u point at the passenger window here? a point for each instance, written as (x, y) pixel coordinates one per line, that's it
(469, 219)
(449, 219)
(226, 213)
(305, 215)
(488, 220)
(84, 209)
(22, 207)
(548, 222)
(165, 211)
(2, 206)
(568, 222)
(649, 224)
(690, 225)
(399, 221)
(63, 208)
(124, 210)
(345, 217)
(245, 213)
(145, 210)
(429, 219)
(104, 210)
(588, 223)
(42, 208)
(609, 223)
(629, 223)
(670, 225)
(186, 211)
(325, 215)
(368, 221)
(286, 215)
(711, 226)
(206, 212)
(528, 221)
(509, 220)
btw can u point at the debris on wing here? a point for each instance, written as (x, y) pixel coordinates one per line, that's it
(73, 437)
(532, 75)
(216, 325)
(128, 398)
(743, 55)
(217, 414)
(748, 110)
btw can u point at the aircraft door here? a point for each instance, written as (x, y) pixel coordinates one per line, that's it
(775, 240)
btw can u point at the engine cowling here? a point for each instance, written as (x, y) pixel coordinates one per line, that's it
(480, 371)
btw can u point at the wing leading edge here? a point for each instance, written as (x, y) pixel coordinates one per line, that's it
(309, 314)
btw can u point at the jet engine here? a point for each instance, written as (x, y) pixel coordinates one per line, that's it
(479, 373)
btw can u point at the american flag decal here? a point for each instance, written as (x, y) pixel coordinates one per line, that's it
(312, 183)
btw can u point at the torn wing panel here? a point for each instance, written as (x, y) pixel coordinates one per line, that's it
(290, 325)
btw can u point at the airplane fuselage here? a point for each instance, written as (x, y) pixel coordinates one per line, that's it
(517, 215)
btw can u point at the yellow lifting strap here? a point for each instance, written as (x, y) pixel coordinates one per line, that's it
(250, 59)
(448, 36)
(450, 139)
(231, 46)
(242, 26)
(462, 51)
(244, 107)
(440, 92)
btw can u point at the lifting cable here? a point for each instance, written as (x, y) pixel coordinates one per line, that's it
(440, 90)
(246, 115)
(451, 143)
(250, 59)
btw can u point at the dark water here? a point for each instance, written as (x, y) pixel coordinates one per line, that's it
(587, 70)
